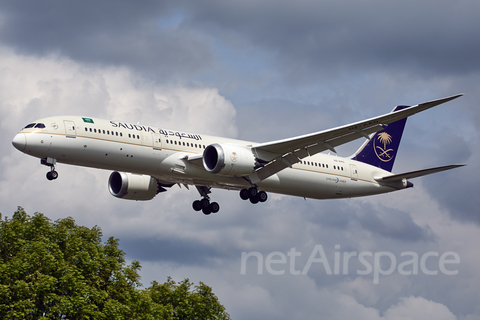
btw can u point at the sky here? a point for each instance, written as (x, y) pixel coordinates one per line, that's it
(262, 71)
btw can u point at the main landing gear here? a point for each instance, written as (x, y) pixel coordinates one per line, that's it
(50, 162)
(253, 195)
(205, 205)
(208, 207)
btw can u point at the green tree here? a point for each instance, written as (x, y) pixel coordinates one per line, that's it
(59, 270)
(199, 303)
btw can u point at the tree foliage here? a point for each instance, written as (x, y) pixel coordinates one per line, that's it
(59, 270)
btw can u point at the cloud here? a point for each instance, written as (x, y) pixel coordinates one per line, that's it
(343, 36)
(107, 33)
(418, 308)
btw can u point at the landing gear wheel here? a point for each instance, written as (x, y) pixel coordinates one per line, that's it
(262, 196)
(214, 207)
(197, 205)
(205, 203)
(254, 200)
(52, 175)
(244, 194)
(252, 192)
(206, 211)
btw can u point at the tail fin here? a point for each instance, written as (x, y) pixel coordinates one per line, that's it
(381, 150)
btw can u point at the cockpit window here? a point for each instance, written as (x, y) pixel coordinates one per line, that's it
(40, 126)
(31, 125)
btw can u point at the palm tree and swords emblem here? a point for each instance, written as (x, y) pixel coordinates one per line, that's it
(384, 153)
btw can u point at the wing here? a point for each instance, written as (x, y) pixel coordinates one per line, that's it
(280, 154)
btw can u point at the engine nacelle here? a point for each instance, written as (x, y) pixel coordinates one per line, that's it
(133, 186)
(228, 160)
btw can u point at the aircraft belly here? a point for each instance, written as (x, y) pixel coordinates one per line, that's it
(317, 185)
(310, 184)
(105, 155)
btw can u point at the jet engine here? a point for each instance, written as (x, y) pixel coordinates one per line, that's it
(228, 160)
(133, 186)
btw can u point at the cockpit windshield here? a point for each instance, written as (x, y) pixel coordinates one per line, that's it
(35, 125)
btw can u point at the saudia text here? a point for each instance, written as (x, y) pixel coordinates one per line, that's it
(166, 133)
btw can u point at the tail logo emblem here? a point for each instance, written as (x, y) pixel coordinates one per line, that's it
(385, 154)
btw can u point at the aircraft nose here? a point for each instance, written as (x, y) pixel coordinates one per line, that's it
(20, 141)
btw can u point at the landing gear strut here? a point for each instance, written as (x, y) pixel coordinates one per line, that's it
(50, 162)
(253, 195)
(205, 205)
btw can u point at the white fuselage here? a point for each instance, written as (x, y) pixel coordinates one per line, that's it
(162, 154)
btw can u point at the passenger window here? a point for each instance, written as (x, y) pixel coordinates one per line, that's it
(103, 131)
(116, 133)
(138, 137)
(129, 135)
(121, 135)
(90, 129)
(95, 130)
(183, 144)
(175, 142)
(28, 126)
(86, 129)
(108, 132)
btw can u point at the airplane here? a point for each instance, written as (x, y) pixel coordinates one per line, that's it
(146, 160)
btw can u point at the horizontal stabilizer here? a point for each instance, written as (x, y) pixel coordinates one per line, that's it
(416, 174)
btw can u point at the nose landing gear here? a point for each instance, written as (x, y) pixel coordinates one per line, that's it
(50, 162)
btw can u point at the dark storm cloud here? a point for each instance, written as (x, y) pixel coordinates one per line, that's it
(392, 223)
(140, 35)
(428, 36)
(173, 37)
(380, 221)
(458, 190)
(180, 251)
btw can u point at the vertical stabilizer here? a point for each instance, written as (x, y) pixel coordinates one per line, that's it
(381, 150)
